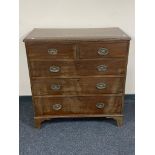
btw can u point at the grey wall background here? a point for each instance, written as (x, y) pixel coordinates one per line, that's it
(71, 14)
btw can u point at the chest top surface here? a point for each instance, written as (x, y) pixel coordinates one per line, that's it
(76, 34)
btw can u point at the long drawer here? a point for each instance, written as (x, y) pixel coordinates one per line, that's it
(78, 105)
(81, 67)
(97, 85)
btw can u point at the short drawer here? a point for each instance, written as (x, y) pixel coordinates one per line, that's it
(102, 50)
(52, 51)
(81, 67)
(47, 86)
(78, 105)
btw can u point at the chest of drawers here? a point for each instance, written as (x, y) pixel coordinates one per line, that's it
(77, 72)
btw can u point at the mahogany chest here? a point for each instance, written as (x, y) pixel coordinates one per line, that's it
(77, 72)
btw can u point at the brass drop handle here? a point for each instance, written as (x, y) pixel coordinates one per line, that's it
(100, 105)
(102, 68)
(101, 85)
(103, 51)
(52, 51)
(56, 106)
(54, 69)
(55, 87)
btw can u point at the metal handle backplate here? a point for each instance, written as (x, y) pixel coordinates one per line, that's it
(55, 87)
(54, 69)
(103, 51)
(100, 105)
(101, 85)
(102, 68)
(53, 51)
(56, 106)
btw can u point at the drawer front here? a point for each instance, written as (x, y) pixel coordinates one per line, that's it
(77, 86)
(51, 51)
(77, 105)
(83, 67)
(102, 50)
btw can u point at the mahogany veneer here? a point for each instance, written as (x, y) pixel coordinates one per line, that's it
(77, 72)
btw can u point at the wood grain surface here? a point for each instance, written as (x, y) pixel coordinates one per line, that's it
(77, 105)
(77, 86)
(79, 67)
(84, 83)
(81, 34)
